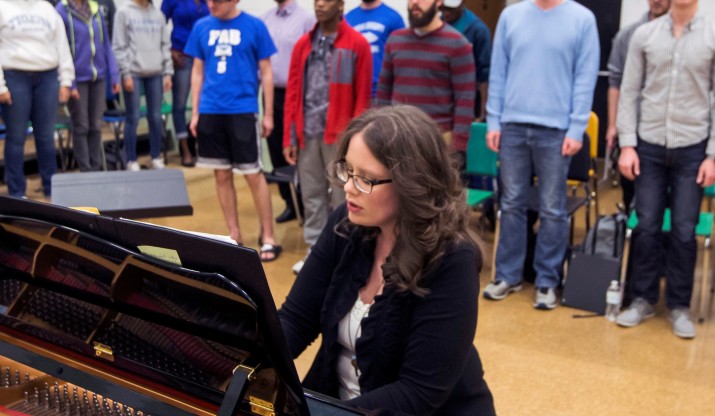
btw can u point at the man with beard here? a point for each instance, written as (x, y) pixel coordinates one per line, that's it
(430, 65)
(616, 64)
(376, 21)
(328, 84)
(543, 73)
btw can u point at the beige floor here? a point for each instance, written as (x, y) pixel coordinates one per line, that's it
(537, 363)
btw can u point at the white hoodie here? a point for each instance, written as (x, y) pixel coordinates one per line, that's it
(33, 38)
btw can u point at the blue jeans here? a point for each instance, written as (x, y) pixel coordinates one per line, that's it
(153, 92)
(525, 149)
(663, 169)
(34, 98)
(181, 85)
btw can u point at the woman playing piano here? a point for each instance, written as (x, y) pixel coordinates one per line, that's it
(392, 283)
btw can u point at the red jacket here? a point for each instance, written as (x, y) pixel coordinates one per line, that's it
(350, 84)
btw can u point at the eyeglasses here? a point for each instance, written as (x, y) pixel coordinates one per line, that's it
(361, 183)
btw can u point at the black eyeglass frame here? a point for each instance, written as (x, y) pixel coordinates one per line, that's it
(342, 165)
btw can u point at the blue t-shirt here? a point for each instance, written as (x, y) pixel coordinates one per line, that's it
(231, 50)
(376, 25)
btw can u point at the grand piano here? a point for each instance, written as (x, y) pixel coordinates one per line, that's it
(106, 316)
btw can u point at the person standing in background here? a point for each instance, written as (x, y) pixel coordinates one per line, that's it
(183, 14)
(376, 21)
(93, 59)
(541, 82)
(107, 10)
(477, 33)
(616, 65)
(141, 46)
(430, 65)
(286, 22)
(34, 55)
(232, 51)
(667, 136)
(328, 85)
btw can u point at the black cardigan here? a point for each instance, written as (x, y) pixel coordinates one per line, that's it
(416, 355)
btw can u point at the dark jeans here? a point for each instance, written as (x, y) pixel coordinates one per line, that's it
(181, 86)
(153, 94)
(34, 98)
(87, 114)
(275, 141)
(663, 169)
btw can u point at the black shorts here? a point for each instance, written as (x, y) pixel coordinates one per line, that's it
(229, 141)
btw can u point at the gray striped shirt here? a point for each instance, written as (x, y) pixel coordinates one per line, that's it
(666, 93)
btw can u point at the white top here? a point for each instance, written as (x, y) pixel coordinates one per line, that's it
(33, 38)
(349, 330)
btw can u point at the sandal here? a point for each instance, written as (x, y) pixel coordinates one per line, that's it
(274, 249)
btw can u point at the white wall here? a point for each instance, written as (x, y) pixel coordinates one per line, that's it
(258, 7)
(631, 10)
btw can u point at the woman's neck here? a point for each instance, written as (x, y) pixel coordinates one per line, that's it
(143, 3)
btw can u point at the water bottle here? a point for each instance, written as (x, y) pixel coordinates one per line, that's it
(613, 300)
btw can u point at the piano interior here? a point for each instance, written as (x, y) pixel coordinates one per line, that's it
(114, 332)
(24, 391)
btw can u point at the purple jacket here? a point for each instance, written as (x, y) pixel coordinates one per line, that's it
(90, 63)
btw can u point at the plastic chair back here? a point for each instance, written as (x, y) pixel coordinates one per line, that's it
(480, 159)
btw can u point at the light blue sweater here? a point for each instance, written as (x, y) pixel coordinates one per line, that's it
(544, 67)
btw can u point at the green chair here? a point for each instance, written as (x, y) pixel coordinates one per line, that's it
(703, 229)
(709, 194)
(482, 161)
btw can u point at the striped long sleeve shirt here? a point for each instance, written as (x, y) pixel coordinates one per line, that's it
(667, 85)
(434, 72)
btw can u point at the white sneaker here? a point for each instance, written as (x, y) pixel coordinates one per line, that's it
(133, 166)
(499, 290)
(682, 324)
(157, 163)
(299, 265)
(638, 311)
(545, 298)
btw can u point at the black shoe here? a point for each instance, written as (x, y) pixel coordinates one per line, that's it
(287, 215)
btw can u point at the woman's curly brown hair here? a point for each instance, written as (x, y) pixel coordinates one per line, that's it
(432, 212)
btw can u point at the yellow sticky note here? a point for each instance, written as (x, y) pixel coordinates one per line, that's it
(166, 254)
(91, 210)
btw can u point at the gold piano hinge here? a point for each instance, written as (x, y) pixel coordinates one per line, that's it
(103, 351)
(250, 370)
(261, 407)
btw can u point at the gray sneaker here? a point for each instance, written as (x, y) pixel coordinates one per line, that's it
(682, 324)
(639, 310)
(545, 298)
(499, 289)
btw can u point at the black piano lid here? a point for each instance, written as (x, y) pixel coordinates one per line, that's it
(238, 293)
